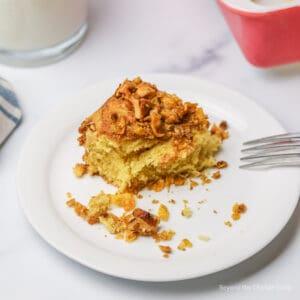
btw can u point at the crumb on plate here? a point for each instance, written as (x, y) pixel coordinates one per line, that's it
(221, 164)
(216, 175)
(165, 249)
(237, 210)
(163, 213)
(69, 195)
(204, 179)
(220, 130)
(80, 169)
(186, 212)
(165, 235)
(185, 243)
(203, 237)
(202, 201)
(193, 184)
(228, 223)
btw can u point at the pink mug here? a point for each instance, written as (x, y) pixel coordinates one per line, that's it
(268, 32)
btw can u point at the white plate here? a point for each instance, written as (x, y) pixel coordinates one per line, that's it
(45, 175)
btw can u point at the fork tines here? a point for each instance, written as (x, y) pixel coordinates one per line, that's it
(276, 150)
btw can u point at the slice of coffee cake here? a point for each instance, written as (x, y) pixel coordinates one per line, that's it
(142, 135)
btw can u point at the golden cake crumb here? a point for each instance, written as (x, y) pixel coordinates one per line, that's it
(158, 186)
(163, 213)
(204, 238)
(193, 184)
(220, 130)
(215, 212)
(139, 196)
(228, 223)
(221, 164)
(172, 201)
(223, 125)
(185, 243)
(235, 216)
(237, 210)
(112, 223)
(178, 181)
(131, 225)
(125, 200)
(165, 249)
(80, 169)
(69, 195)
(186, 212)
(204, 179)
(71, 202)
(80, 209)
(216, 175)
(130, 236)
(165, 235)
(202, 201)
(119, 236)
(154, 201)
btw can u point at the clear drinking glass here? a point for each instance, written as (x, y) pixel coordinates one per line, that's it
(35, 32)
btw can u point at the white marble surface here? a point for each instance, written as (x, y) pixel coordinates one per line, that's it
(134, 37)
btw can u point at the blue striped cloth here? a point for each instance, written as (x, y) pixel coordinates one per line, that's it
(10, 113)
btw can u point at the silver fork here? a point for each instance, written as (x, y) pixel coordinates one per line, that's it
(272, 151)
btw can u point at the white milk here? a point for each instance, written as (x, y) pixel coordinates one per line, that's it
(36, 24)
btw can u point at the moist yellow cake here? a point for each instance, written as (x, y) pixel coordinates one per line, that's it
(141, 135)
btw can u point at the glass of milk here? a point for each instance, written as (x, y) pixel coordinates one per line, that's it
(35, 32)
